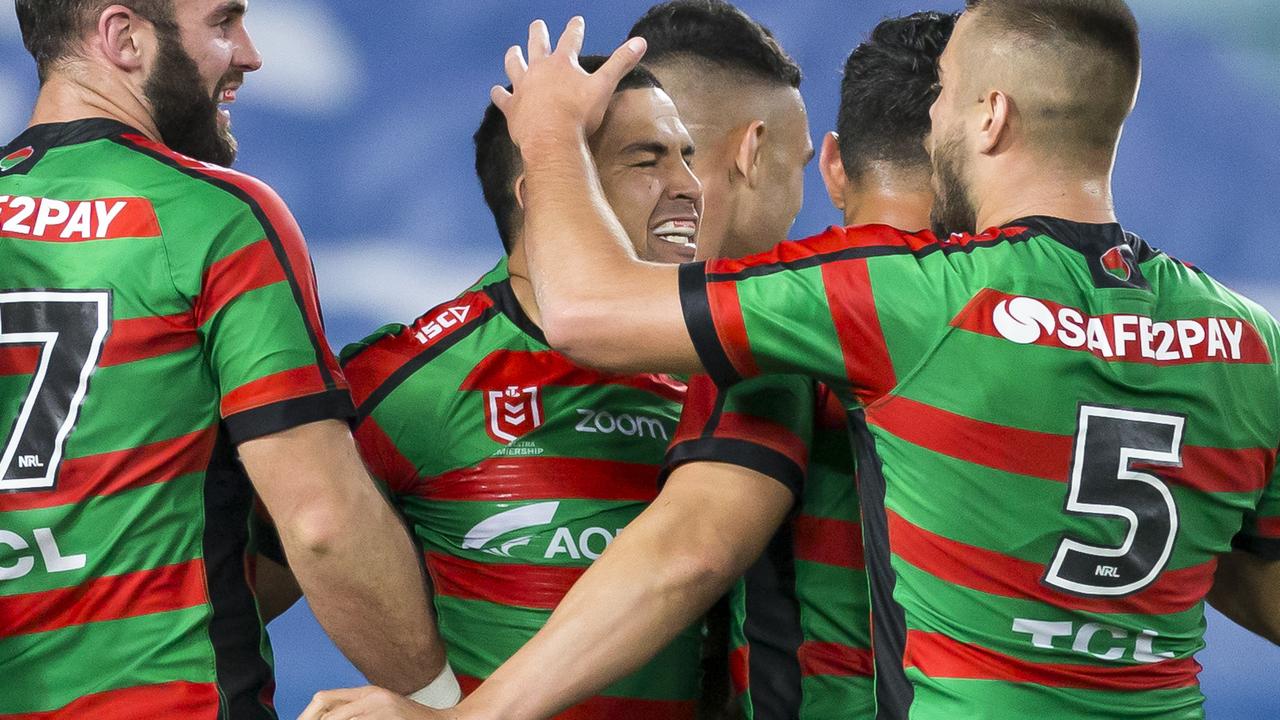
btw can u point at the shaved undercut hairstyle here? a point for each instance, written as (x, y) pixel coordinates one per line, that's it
(1094, 46)
(889, 83)
(51, 29)
(716, 32)
(498, 162)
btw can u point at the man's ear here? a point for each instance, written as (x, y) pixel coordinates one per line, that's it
(520, 191)
(747, 158)
(995, 124)
(123, 38)
(831, 165)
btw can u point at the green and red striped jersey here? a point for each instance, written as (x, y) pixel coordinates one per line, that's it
(800, 617)
(154, 312)
(515, 469)
(1060, 429)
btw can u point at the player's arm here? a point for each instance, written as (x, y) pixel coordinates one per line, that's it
(600, 305)
(284, 406)
(708, 524)
(349, 552)
(1246, 588)
(1246, 585)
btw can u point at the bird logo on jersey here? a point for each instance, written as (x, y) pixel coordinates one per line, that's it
(512, 413)
(16, 158)
(1116, 262)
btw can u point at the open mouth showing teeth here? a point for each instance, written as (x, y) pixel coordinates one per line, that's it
(677, 232)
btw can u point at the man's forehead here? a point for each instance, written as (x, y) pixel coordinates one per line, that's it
(641, 115)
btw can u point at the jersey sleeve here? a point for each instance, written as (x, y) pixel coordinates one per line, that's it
(850, 308)
(764, 424)
(258, 316)
(1260, 534)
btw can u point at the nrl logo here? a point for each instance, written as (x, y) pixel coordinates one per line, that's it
(512, 413)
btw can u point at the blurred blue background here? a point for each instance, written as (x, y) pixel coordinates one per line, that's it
(363, 113)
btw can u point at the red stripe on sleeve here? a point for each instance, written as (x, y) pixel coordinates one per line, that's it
(818, 658)
(999, 574)
(740, 668)
(163, 589)
(148, 337)
(726, 312)
(1268, 527)
(612, 708)
(249, 268)
(188, 700)
(114, 472)
(765, 433)
(699, 405)
(938, 656)
(1048, 456)
(285, 385)
(385, 459)
(857, 323)
(515, 478)
(833, 239)
(828, 541)
(539, 587)
(19, 359)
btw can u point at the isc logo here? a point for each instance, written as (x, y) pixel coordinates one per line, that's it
(449, 318)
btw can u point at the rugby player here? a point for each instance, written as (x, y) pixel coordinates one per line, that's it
(515, 467)
(742, 459)
(161, 358)
(1063, 432)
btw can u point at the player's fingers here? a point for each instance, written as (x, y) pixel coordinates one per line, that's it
(539, 40)
(571, 39)
(500, 97)
(515, 65)
(622, 61)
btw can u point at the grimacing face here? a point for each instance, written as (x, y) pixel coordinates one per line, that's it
(643, 153)
(200, 65)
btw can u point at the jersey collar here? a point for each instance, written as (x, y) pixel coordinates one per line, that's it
(1112, 254)
(504, 298)
(51, 135)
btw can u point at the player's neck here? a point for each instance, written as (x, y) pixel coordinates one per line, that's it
(1077, 196)
(63, 99)
(904, 210)
(522, 286)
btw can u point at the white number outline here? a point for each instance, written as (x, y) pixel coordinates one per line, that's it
(47, 341)
(1124, 471)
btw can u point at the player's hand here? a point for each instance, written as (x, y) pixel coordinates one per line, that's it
(552, 94)
(370, 703)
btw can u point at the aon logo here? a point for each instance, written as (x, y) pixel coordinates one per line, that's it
(606, 423)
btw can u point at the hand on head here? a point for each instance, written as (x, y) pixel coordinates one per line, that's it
(551, 93)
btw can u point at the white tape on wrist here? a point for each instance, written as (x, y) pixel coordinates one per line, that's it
(443, 692)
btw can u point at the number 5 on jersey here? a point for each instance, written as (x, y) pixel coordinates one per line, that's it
(68, 328)
(1109, 442)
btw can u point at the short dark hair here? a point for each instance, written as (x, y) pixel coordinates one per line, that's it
(50, 28)
(1102, 58)
(889, 83)
(498, 161)
(719, 33)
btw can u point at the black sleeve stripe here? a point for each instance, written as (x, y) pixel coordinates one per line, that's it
(1264, 548)
(702, 329)
(287, 414)
(736, 452)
